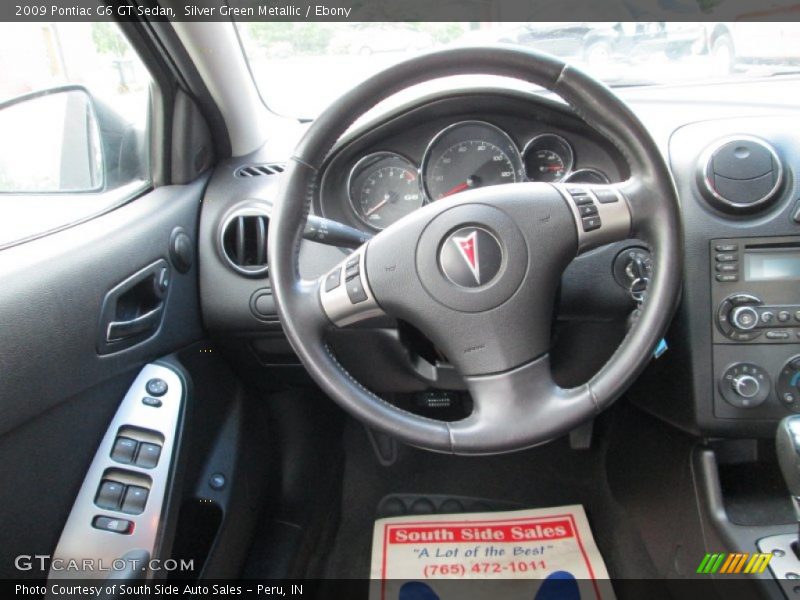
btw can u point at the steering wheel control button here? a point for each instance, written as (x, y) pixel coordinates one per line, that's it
(109, 495)
(745, 385)
(124, 450)
(590, 223)
(355, 290)
(156, 387)
(587, 210)
(351, 269)
(333, 280)
(605, 196)
(148, 455)
(135, 500)
(471, 257)
(153, 402)
(112, 525)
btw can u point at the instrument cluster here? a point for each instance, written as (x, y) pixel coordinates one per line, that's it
(385, 186)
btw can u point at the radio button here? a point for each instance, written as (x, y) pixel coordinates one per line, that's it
(744, 317)
(777, 335)
(726, 257)
(797, 315)
(727, 267)
(767, 316)
(784, 316)
(727, 277)
(726, 247)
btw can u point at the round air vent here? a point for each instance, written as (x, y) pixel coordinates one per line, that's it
(243, 239)
(741, 174)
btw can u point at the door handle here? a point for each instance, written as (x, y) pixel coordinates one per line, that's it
(120, 330)
(134, 309)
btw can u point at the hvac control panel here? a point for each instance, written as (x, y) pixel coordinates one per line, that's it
(755, 296)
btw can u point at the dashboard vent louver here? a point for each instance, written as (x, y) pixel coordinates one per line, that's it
(261, 169)
(243, 241)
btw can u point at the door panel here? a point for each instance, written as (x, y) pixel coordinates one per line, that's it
(57, 393)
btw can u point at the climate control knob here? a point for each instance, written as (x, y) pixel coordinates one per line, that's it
(745, 385)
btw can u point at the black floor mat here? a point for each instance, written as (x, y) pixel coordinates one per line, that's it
(550, 475)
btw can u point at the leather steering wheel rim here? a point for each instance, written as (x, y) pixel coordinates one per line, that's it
(519, 406)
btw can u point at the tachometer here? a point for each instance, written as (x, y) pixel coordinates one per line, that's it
(548, 157)
(468, 155)
(384, 187)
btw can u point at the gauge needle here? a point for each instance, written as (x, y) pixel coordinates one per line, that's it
(377, 206)
(459, 188)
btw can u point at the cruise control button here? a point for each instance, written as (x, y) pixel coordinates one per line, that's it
(332, 280)
(109, 495)
(355, 290)
(113, 525)
(135, 500)
(124, 450)
(591, 223)
(156, 387)
(154, 402)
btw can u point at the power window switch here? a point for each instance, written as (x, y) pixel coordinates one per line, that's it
(154, 402)
(113, 525)
(148, 455)
(135, 500)
(124, 450)
(109, 496)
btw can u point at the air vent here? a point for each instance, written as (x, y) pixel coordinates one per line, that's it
(259, 170)
(741, 174)
(243, 240)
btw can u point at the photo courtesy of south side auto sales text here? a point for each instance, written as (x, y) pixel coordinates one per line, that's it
(118, 590)
(189, 10)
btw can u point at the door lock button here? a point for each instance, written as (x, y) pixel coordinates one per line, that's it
(113, 525)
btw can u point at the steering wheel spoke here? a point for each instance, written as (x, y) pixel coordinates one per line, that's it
(345, 292)
(516, 402)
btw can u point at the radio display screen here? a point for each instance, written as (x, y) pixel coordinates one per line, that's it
(772, 265)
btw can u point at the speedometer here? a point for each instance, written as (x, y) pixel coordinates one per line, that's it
(469, 155)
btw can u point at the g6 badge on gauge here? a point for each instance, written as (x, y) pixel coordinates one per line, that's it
(383, 188)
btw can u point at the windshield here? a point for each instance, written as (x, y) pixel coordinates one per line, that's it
(301, 67)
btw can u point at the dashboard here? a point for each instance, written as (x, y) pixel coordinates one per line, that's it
(733, 364)
(390, 171)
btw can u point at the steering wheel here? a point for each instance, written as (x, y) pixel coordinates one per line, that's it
(478, 272)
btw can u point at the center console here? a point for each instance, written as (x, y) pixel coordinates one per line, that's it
(755, 297)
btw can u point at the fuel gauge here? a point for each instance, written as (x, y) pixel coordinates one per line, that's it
(548, 157)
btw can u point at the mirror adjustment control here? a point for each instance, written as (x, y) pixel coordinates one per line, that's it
(156, 387)
(113, 525)
(109, 496)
